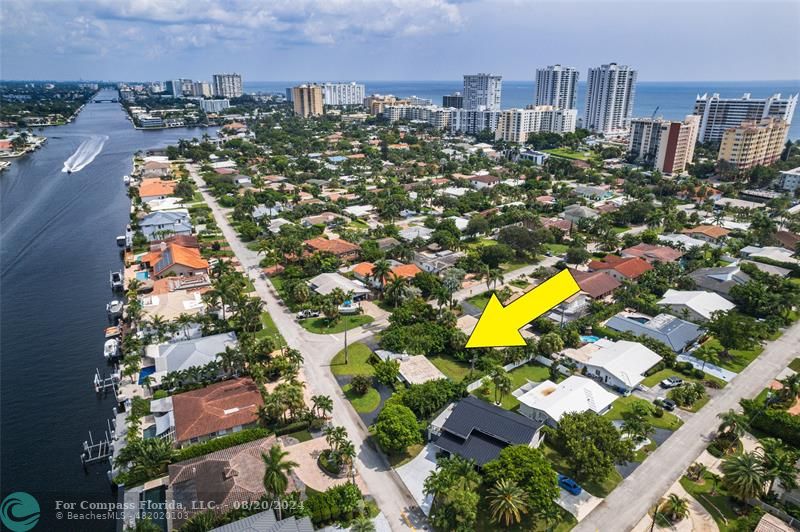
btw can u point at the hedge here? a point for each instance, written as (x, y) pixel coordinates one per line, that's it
(772, 421)
(223, 442)
(337, 503)
(292, 427)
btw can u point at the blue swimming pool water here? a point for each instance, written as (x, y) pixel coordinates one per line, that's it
(146, 372)
(142, 276)
(589, 339)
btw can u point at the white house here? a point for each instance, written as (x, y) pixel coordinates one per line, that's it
(548, 402)
(620, 365)
(695, 305)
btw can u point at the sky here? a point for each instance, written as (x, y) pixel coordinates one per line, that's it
(141, 40)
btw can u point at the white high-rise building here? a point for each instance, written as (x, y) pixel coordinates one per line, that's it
(516, 124)
(666, 144)
(609, 98)
(214, 106)
(720, 114)
(343, 93)
(227, 85)
(482, 92)
(557, 86)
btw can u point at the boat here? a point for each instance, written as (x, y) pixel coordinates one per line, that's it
(114, 308)
(126, 179)
(117, 280)
(121, 241)
(111, 348)
(113, 332)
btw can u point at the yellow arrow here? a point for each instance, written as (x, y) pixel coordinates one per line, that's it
(499, 326)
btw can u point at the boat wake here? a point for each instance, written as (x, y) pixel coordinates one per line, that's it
(85, 154)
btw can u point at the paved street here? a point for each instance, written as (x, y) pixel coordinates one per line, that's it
(631, 500)
(383, 483)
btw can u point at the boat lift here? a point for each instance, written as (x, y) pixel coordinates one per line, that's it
(103, 384)
(97, 451)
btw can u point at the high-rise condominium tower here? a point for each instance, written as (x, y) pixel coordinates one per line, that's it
(557, 86)
(482, 92)
(609, 98)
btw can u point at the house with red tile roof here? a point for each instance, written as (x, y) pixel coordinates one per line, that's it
(155, 189)
(363, 270)
(342, 249)
(597, 285)
(621, 269)
(652, 253)
(174, 259)
(215, 410)
(707, 233)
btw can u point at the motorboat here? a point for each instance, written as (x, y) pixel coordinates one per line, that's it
(126, 179)
(117, 280)
(122, 240)
(114, 308)
(111, 348)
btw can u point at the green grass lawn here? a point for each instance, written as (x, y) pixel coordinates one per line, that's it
(358, 225)
(270, 329)
(659, 376)
(511, 266)
(320, 325)
(556, 249)
(719, 505)
(795, 364)
(398, 459)
(480, 300)
(363, 404)
(617, 230)
(738, 359)
(484, 522)
(568, 153)
(519, 376)
(598, 489)
(454, 369)
(697, 405)
(357, 361)
(624, 404)
(519, 283)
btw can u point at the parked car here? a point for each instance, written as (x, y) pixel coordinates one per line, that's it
(671, 382)
(666, 404)
(307, 313)
(569, 485)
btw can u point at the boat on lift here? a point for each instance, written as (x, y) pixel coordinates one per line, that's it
(114, 308)
(116, 280)
(111, 349)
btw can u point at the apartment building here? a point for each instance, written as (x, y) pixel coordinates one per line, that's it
(557, 86)
(482, 92)
(307, 100)
(227, 85)
(667, 145)
(610, 91)
(754, 143)
(515, 125)
(717, 114)
(455, 100)
(343, 93)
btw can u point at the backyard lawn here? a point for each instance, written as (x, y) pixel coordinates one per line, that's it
(624, 404)
(480, 300)
(321, 326)
(519, 376)
(358, 361)
(455, 370)
(598, 489)
(363, 404)
(659, 376)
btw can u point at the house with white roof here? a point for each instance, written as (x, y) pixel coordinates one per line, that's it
(695, 305)
(325, 283)
(774, 253)
(179, 356)
(415, 231)
(687, 242)
(548, 402)
(620, 365)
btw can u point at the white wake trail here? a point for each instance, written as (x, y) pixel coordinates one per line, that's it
(85, 154)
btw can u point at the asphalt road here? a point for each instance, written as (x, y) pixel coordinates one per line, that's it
(632, 499)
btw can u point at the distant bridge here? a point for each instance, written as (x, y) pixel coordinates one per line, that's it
(107, 100)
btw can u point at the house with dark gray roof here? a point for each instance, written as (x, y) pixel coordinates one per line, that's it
(267, 522)
(160, 224)
(477, 430)
(719, 280)
(674, 332)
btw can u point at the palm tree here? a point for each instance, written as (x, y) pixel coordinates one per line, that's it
(277, 470)
(715, 480)
(732, 423)
(301, 293)
(676, 507)
(398, 290)
(743, 475)
(791, 387)
(347, 454)
(507, 501)
(362, 523)
(380, 271)
(323, 404)
(779, 463)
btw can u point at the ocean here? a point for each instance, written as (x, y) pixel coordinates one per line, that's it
(670, 99)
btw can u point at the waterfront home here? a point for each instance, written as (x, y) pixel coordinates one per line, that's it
(707, 233)
(179, 356)
(172, 303)
(325, 283)
(341, 249)
(477, 430)
(695, 305)
(652, 253)
(620, 365)
(225, 480)
(221, 408)
(547, 402)
(679, 335)
(621, 269)
(597, 285)
(266, 521)
(175, 260)
(156, 189)
(155, 169)
(719, 280)
(158, 225)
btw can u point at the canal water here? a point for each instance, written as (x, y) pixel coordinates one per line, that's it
(57, 246)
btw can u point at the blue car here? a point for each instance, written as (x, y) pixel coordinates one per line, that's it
(570, 485)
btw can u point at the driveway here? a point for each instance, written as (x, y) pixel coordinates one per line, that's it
(578, 505)
(415, 472)
(382, 482)
(711, 369)
(632, 499)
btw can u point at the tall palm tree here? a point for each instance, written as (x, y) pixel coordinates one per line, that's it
(744, 475)
(322, 404)
(347, 455)
(379, 274)
(276, 473)
(398, 290)
(779, 463)
(733, 423)
(507, 501)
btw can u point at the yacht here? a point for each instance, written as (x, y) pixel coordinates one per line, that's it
(117, 280)
(111, 348)
(114, 308)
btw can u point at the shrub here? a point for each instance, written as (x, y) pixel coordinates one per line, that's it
(774, 422)
(292, 427)
(396, 428)
(160, 394)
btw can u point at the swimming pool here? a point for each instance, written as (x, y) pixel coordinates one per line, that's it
(142, 276)
(146, 372)
(589, 339)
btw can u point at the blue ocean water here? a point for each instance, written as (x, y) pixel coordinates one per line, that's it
(674, 99)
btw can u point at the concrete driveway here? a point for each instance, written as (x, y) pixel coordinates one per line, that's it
(414, 473)
(578, 505)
